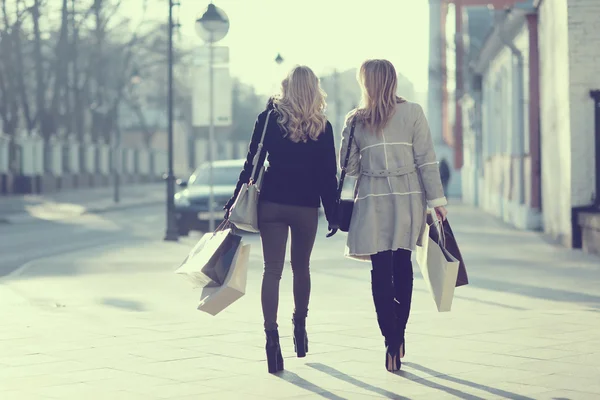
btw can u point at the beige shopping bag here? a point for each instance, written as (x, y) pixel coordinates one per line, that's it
(215, 299)
(439, 269)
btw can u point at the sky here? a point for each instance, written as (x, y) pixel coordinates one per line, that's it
(323, 34)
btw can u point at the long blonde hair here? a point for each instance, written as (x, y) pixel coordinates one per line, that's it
(378, 82)
(301, 105)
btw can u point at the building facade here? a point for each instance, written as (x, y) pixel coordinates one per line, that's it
(529, 105)
(570, 58)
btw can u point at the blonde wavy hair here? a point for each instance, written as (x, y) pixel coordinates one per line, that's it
(378, 81)
(301, 105)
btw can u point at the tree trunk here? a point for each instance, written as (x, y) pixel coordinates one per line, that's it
(9, 106)
(60, 97)
(78, 109)
(41, 117)
(20, 78)
(99, 117)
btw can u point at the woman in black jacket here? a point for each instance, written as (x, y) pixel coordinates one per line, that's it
(302, 173)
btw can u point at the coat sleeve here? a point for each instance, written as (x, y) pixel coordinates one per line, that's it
(353, 168)
(328, 175)
(248, 166)
(426, 161)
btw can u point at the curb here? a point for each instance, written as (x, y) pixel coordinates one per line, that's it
(121, 207)
(25, 219)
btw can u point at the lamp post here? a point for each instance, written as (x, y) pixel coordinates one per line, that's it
(172, 233)
(135, 79)
(211, 27)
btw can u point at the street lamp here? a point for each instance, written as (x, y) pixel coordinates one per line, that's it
(212, 27)
(279, 59)
(172, 233)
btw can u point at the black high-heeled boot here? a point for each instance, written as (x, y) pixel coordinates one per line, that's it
(383, 298)
(300, 337)
(274, 357)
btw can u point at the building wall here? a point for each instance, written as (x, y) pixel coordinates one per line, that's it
(584, 57)
(470, 170)
(504, 186)
(555, 119)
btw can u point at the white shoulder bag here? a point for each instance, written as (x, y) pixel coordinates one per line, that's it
(244, 212)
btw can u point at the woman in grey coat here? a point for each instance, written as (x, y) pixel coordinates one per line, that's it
(392, 156)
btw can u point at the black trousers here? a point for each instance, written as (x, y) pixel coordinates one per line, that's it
(392, 286)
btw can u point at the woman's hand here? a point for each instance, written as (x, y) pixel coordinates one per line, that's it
(441, 213)
(227, 211)
(333, 228)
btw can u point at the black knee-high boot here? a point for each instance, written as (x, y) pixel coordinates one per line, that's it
(383, 297)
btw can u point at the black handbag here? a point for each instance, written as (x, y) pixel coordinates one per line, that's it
(345, 206)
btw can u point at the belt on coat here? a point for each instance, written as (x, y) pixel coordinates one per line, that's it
(384, 173)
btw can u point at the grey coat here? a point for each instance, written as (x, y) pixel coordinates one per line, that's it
(398, 177)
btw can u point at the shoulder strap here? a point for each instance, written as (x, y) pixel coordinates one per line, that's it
(260, 146)
(346, 160)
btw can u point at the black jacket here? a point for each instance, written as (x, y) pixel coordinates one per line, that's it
(300, 174)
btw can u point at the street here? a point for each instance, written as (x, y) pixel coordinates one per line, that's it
(91, 309)
(22, 243)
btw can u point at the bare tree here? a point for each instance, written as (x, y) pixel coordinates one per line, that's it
(73, 73)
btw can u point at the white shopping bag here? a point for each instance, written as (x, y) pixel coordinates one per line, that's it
(439, 269)
(215, 299)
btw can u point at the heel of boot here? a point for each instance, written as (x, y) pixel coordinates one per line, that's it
(301, 345)
(273, 350)
(274, 360)
(300, 337)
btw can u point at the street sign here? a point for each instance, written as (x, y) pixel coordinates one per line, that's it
(201, 97)
(202, 55)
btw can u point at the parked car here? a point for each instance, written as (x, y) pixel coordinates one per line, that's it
(191, 203)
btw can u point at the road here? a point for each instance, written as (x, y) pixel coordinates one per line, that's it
(22, 243)
(107, 319)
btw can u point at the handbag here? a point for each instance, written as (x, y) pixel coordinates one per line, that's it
(244, 212)
(345, 207)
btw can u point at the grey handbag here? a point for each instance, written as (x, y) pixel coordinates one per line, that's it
(244, 212)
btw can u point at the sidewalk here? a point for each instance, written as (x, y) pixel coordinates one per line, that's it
(116, 323)
(66, 204)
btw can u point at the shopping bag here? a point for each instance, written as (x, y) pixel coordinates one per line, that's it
(213, 300)
(449, 244)
(439, 269)
(208, 264)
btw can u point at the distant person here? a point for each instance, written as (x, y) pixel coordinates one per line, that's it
(302, 173)
(393, 157)
(445, 174)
